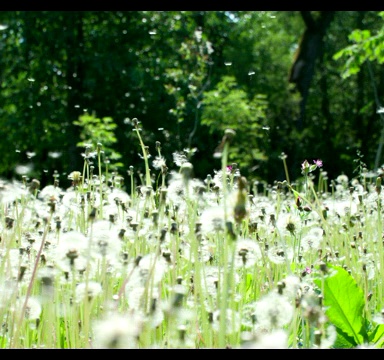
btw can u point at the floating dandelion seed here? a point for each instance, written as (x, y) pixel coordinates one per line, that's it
(54, 154)
(23, 169)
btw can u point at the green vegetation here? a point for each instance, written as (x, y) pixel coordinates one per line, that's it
(186, 263)
(163, 184)
(183, 74)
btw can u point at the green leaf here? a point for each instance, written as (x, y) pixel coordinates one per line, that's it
(359, 35)
(344, 302)
(343, 341)
(377, 336)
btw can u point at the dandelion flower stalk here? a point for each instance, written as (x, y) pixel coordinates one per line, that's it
(15, 338)
(284, 158)
(145, 155)
(130, 173)
(228, 241)
(163, 167)
(99, 146)
(229, 134)
(86, 165)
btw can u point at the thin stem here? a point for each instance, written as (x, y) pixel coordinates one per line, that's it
(15, 338)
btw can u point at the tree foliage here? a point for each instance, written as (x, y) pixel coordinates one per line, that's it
(228, 106)
(186, 75)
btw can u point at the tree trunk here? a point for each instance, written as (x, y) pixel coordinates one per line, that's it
(310, 49)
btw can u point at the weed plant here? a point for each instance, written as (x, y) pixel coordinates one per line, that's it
(172, 261)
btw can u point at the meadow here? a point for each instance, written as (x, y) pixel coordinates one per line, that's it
(176, 262)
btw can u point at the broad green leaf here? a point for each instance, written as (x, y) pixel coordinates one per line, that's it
(377, 336)
(343, 341)
(344, 302)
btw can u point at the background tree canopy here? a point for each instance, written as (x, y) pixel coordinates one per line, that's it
(305, 84)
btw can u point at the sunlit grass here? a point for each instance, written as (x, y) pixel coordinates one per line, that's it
(178, 262)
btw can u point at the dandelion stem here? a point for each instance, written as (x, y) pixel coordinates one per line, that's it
(15, 338)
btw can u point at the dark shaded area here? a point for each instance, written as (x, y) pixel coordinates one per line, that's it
(55, 66)
(310, 49)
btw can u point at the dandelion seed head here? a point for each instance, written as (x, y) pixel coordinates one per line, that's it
(71, 243)
(276, 339)
(150, 270)
(232, 321)
(211, 279)
(159, 163)
(204, 255)
(279, 254)
(213, 220)
(50, 191)
(8, 290)
(342, 180)
(13, 191)
(118, 194)
(248, 253)
(310, 243)
(289, 223)
(105, 240)
(32, 310)
(179, 158)
(87, 291)
(273, 311)
(378, 318)
(292, 286)
(117, 332)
